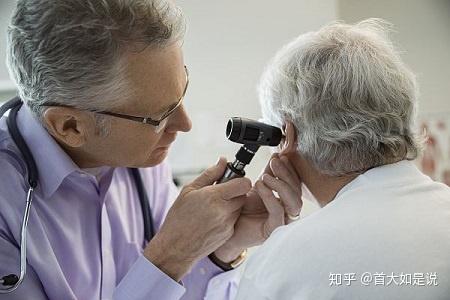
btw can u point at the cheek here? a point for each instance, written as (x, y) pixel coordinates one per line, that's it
(146, 142)
(146, 154)
(136, 142)
(158, 155)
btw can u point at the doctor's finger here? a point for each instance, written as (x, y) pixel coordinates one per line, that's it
(289, 197)
(233, 188)
(210, 175)
(275, 209)
(281, 171)
(298, 181)
(291, 169)
(267, 169)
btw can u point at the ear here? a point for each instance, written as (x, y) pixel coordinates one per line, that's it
(289, 142)
(69, 126)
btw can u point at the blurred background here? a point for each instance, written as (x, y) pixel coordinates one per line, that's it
(228, 43)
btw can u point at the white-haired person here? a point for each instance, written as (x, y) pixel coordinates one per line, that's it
(347, 103)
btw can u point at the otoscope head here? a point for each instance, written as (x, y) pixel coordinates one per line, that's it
(250, 132)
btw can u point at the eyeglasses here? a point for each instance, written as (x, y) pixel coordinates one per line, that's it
(158, 124)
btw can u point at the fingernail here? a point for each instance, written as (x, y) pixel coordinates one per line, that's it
(218, 160)
(266, 177)
(273, 162)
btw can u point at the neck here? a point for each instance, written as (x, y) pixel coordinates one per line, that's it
(323, 187)
(79, 157)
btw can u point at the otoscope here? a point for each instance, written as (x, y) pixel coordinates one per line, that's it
(252, 134)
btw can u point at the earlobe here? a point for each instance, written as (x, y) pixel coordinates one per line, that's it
(289, 142)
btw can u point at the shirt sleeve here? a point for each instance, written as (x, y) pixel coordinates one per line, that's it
(209, 282)
(145, 281)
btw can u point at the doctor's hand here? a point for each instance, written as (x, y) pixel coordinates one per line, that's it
(201, 219)
(263, 212)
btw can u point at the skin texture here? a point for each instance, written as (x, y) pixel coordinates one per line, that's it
(224, 218)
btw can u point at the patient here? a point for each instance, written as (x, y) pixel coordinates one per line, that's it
(347, 104)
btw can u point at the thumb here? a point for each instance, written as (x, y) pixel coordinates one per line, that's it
(211, 175)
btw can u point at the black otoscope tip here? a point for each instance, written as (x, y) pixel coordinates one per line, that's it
(10, 279)
(234, 128)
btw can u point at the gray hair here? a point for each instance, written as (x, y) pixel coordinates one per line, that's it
(349, 95)
(70, 52)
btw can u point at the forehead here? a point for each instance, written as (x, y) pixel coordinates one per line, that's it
(156, 77)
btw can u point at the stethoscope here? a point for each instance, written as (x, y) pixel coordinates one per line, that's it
(13, 281)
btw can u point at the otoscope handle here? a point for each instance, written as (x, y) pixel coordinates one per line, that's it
(230, 173)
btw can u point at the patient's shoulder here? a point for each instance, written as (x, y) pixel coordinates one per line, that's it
(361, 232)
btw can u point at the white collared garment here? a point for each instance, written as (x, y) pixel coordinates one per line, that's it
(386, 235)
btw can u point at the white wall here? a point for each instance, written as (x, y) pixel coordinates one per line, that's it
(6, 86)
(422, 29)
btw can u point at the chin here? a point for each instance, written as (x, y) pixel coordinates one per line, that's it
(156, 157)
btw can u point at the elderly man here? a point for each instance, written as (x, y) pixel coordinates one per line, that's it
(347, 103)
(102, 84)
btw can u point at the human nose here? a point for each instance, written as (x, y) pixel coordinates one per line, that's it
(179, 121)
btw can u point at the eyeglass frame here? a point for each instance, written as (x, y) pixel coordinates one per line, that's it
(143, 120)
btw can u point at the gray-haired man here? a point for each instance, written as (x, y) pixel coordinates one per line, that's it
(103, 83)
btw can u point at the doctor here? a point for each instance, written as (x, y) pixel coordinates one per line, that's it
(103, 84)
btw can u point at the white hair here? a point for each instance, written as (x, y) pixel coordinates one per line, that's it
(70, 52)
(349, 95)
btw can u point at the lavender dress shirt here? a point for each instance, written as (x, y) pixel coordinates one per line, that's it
(85, 234)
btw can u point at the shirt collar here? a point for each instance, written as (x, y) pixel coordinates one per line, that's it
(403, 172)
(52, 162)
